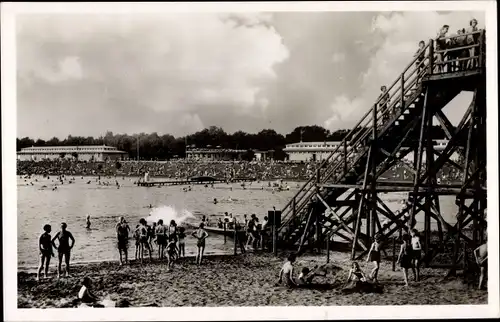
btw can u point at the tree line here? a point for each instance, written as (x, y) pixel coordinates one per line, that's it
(153, 146)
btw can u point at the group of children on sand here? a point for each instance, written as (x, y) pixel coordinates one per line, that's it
(410, 257)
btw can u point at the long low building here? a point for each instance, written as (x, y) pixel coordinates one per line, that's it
(97, 153)
(311, 151)
(318, 151)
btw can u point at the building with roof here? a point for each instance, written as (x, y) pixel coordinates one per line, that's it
(311, 151)
(97, 153)
(214, 154)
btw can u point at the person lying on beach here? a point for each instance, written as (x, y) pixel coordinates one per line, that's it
(201, 235)
(481, 256)
(46, 251)
(374, 257)
(286, 272)
(306, 276)
(358, 283)
(64, 248)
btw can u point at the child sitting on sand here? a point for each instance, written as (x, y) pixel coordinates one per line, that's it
(287, 272)
(306, 276)
(200, 234)
(86, 296)
(46, 251)
(358, 282)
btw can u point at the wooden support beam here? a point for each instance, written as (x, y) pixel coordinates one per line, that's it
(445, 124)
(342, 223)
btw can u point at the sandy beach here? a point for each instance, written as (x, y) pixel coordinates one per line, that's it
(243, 280)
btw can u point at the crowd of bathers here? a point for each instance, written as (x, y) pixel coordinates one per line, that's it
(185, 169)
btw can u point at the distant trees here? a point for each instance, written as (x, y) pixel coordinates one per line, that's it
(164, 147)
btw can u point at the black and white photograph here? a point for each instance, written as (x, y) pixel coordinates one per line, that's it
(241, 160)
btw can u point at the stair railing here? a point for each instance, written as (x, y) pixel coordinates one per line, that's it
(358, 136)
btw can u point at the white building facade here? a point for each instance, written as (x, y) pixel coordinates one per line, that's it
(318, 151)
(311, 151)
(97, 153)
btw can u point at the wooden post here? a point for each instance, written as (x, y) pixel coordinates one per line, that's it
(345, 155)
(275, 248)
(394, 254)
(370, 223)
(431, 56)
(235, 239)
(225, 232)
(403, 91)
(328, 248)
(294, 207)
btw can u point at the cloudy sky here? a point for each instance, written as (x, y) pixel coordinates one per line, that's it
(178, 73)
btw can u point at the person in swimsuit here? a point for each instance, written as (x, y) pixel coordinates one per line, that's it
(405, 258)
(182, 242)
(137, 237)
(250, 231)
(374, 257)
(201, 235)
(441, 44)
(46, 252)
(122, 231)
(420, 54)
(416, 252)
(152, 235)
(471, 40)
(172, 253)
(161, 238)
(287, 272)
(172, 231)
(481, 256)
(88, 222)
(64, 248)
(144, 239)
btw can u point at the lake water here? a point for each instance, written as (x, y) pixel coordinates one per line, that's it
(70, 203)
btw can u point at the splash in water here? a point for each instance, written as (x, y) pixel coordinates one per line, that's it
(168, 213)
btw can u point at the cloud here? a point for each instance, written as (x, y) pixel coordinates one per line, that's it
(394, 40)
(176, 73)
(167, 64)
(338, 57)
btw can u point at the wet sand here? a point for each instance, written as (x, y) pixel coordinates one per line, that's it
(243, 280)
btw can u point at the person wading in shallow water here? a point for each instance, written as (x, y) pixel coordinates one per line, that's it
(64, 248)
(122, 231)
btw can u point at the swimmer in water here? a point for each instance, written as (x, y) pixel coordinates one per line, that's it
(215, 201)
(88, 222)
